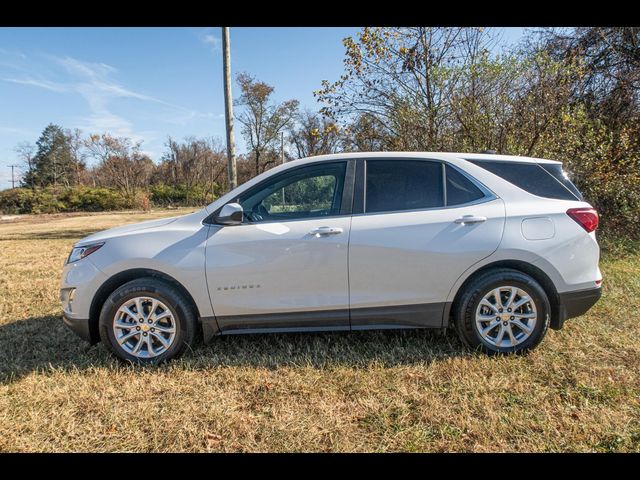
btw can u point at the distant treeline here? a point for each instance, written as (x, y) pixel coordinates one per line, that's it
(566, 94)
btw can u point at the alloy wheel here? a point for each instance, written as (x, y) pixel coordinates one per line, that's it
(506, 316)
(144, 327)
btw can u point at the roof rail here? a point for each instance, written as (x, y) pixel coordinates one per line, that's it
(490, 152)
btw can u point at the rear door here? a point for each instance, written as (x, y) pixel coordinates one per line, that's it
(417, 226)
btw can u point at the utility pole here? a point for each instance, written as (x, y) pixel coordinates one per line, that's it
(282, 147)
(13, 180)
(228, 110)
(282, 160)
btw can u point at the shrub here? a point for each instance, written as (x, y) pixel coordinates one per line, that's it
(16, 200)
(169, 195)
(51, 200)
(83, 199)
(88, 199)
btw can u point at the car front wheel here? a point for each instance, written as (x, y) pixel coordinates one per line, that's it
(503, 311)
(147, 321)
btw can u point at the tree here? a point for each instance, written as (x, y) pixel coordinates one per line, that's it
(261, 119)
(442, 89)
(26, 152)
(121, 164)
(365, 133)
(53, 162)
(78, 154)
(609, 57)
(314, 134)
(404, 80)
(192, 162)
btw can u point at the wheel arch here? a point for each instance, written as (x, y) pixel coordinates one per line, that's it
(119, 279)
(524, 267)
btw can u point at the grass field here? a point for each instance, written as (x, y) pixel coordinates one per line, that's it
(368, 391)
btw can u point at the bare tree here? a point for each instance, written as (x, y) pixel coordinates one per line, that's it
(262, 120)
(121, 164)
(192, 162)
(26, 152)
(77, 147)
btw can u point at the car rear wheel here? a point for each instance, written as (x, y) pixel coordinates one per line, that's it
(502, 311)
(147, 321)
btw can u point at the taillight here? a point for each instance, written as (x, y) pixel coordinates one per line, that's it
(587, 218)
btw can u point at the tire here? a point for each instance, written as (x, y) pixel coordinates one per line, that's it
(526, 325)
(163, 334)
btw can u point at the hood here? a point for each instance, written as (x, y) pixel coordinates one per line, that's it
(126, 229)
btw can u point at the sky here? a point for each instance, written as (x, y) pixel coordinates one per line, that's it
(151, 83)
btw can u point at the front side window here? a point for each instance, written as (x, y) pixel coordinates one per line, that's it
(395, 185)
(306, 192)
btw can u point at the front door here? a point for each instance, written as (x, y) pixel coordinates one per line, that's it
(285, 267)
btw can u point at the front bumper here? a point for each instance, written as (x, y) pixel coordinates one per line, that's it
(78, 286)
(81, 327)
(574, 304)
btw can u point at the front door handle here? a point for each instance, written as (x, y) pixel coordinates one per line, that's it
(324, 231)
(470, 219)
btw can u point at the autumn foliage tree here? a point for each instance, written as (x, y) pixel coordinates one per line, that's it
(315, 134)
(262, 119)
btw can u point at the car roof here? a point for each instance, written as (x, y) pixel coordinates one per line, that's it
(433, 155)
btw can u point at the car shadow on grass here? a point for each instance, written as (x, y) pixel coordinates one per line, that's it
(40, 344)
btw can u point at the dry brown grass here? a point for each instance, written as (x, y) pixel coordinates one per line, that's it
(368, 391)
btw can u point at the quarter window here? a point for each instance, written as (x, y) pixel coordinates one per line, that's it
(460, 189)
(556, 171)
(394, 185)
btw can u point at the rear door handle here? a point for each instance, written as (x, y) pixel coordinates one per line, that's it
(469, 219)
(324, 231)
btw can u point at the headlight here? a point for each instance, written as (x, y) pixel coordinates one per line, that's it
(78, 253)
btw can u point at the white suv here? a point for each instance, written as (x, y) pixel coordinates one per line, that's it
(501, 247)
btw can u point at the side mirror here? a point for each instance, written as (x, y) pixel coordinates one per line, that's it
(231, 214)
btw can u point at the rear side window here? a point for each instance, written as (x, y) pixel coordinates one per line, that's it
(394, 185)
(460, 189)
(532, 178)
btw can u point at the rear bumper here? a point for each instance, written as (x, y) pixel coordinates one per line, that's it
(81, 327)
(574, 304)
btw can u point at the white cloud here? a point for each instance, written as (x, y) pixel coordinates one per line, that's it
(54, 87)
(87, 69)
(211, 40)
